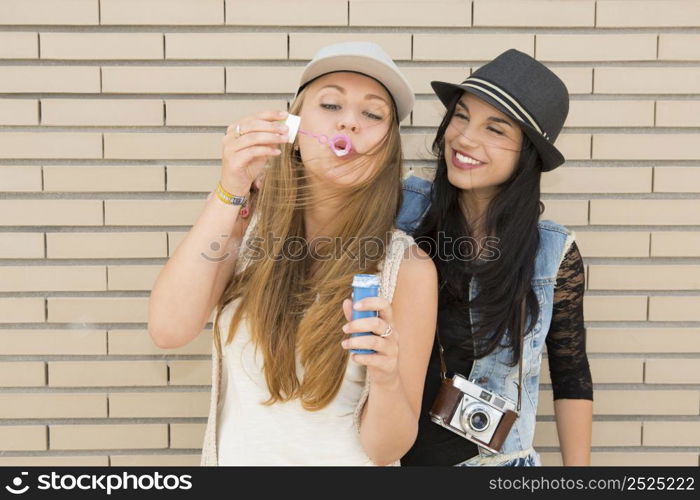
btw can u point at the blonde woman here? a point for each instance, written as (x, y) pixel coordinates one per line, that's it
(286, 389)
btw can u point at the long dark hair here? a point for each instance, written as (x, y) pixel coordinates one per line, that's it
(511, 217)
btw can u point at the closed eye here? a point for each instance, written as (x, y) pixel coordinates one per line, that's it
(372, 116)
(494, 130)
(462, 116)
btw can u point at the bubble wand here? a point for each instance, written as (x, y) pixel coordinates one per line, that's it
(340, 144)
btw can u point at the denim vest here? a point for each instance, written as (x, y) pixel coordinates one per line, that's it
(494, 372)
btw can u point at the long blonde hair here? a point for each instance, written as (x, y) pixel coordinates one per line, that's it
(292, 308)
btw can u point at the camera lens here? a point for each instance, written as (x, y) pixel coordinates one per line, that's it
(478, 420)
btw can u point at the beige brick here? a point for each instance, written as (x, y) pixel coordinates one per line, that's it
(604, 434)
(107, 373)
(161, 79)
(63, 79)
(19, 112)
(101, 46)
(21, 245)
(53, 342)
(636, 13)
(188, 12)
(132, 277)
(617, 371)
(428, 113)
(674, 308)
(677, 180)
(105, 245)
(155, 460)
(297, 13)
(52, 278)
(18, 45)
(109, 436)
(102, 112)
(159, 404)
(612, 459)
(647, 80)
(672, 434)
(23, 438)
(607, 371)
(550, 459)
(49, 12)
(262, 79)
(24, 310)
(677, 47)
(613, 244)
(574, 146)
(152, 212)
(417, 146)
(445, 47)
(108, 179)
(305, 45)
(597, 180)
(20, 178)
(633, 402)
(50, 145)
(646, 146)
(672, 371)
(98, 309)
(191, 178)
(190, 372)
(545, 403)
(22, 374)
(675, 244)
(436, 13)
(55, 461)
(598, 47)
(645, 212)
(420, 77)
(535, 13)
(612, 308)
(48, 405)
(187, 435)
(643, 340)
(678, 113)
(174, 240)
(643, 277)
(217, 112)
(567, 212)
(226, 46)
(610, 114)
(577, 80)
(138, 342)
(155, 146)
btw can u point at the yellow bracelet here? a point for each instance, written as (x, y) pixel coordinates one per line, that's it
(229, 198)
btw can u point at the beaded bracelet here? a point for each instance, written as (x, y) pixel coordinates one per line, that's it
(229, 198)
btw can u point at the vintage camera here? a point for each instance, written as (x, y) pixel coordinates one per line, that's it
(474, 413)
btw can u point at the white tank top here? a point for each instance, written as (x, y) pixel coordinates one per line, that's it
(282, 433)
(242, 431)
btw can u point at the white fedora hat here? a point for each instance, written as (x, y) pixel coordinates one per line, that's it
(368, 59)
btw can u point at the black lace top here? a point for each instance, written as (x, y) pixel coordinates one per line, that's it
(566, 351)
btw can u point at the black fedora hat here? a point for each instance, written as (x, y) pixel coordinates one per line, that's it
(525, 90)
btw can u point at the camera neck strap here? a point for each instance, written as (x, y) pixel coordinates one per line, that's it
(443, 366)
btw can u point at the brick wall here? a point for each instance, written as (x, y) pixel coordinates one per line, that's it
(111, 115)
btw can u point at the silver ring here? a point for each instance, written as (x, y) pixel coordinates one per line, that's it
(238, 130)
(387, 332)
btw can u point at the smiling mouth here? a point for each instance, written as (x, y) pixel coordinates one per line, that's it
(464, 161)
